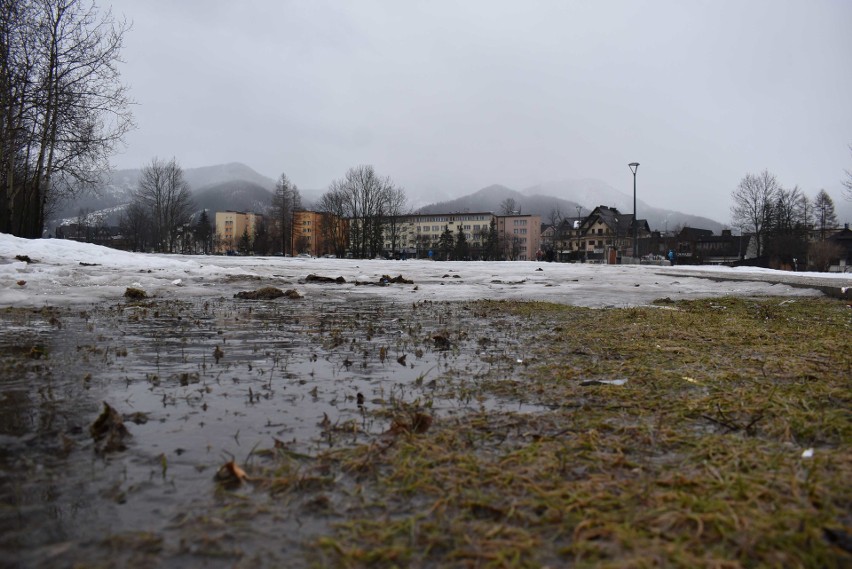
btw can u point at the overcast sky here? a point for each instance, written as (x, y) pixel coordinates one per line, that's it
(449, 97)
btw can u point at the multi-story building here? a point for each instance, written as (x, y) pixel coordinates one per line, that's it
(318, 233)
(231, 226)
(520, 236)
(418, 235)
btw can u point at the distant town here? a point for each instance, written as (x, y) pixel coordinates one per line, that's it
(605, 235)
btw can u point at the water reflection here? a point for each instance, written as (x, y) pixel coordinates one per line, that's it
(201, 382)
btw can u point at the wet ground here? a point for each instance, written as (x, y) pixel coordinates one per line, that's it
(199, 383)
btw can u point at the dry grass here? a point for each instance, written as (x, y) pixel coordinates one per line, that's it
(697, 461)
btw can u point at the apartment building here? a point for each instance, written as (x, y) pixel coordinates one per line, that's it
(520, 236)
(231, 226)
(417, 235)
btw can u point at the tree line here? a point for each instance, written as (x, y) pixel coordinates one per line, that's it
(787, 225)
(63, 108)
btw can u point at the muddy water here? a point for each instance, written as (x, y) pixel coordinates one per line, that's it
(200, 383)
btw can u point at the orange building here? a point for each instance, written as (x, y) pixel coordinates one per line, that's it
(319, 233)
(520, 236)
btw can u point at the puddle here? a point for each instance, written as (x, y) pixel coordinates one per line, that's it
(202, 382)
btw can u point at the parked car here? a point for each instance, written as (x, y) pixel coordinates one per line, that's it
(304, 255)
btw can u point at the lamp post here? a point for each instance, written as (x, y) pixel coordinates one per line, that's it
(633, 167)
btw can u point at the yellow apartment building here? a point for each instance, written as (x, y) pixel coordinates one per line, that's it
(230, 227)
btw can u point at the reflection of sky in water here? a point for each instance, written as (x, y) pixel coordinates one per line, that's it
(285, 366)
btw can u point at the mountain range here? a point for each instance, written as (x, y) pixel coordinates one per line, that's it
(236, 186)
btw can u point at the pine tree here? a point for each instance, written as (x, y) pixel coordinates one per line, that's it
(203, 233)
(492, 243)
(824, 214)
(446, 243)
(462, 249)
(245, 242)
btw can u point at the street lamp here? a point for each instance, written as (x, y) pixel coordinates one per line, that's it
(633, 167)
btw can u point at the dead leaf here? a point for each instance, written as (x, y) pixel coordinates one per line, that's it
(230, 474)
(109, 431)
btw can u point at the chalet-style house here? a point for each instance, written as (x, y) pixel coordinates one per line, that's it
(605, 235)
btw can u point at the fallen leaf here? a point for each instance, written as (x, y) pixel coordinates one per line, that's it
(230, 474)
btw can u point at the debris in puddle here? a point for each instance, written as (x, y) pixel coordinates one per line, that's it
(264, 293)
(442, 342)
(808, 453)
(587, 382)
(138, 418)
(218, 354)
(411, 421)
(109, 431)
(312, 278)
(230, 474)
(134, 293)
(385, 280)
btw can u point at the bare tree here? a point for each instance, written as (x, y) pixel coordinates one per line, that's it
(790, 209)
(136, 227)
(752, 202)
(63, 109)
(786, 232)
(821, 254)
(333, 228)
(555, 217)
(285, 200)
(165, 197)
(396, 206)
(847, 182)
(363, 197)
(510, 207)
(824, 214)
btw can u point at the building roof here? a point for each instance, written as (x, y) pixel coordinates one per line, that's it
(693, 233)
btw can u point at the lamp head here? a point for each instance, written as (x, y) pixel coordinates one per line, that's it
(634, 166)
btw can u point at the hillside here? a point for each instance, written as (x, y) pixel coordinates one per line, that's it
(236, 186)
(491, 198)
(238, 195)
(233, 186)
(567, 195)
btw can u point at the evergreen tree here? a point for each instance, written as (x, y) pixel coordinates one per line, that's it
(244, 244)
(824, 214)
(261, 244)
(462, 249)
(446, 243)
(286, 199)
(203, 233)
(491, 245)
